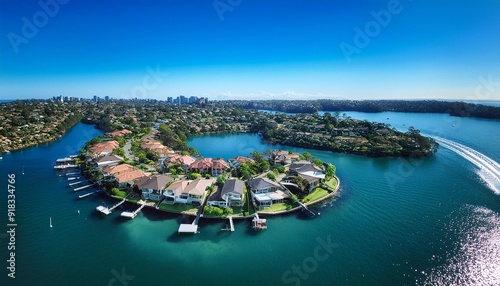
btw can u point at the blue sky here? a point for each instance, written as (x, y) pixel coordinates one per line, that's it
(250, 49)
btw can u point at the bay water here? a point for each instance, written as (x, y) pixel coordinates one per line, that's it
(432, 221)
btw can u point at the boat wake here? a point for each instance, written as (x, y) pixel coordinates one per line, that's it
(489, 169)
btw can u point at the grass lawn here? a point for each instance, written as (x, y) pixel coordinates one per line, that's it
(317, 194)
(276, 208)
(120, 194)
(332, 183)
(179, 208)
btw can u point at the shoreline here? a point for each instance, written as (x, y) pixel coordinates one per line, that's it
(329, 196)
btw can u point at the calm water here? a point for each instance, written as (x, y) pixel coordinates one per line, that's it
(426, 222)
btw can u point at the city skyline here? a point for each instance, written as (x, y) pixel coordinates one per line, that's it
(250, 49)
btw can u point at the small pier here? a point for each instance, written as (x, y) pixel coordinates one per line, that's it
(106, 210)
(64, 167)
(306, 208)
(65, 160)
(72, 173)
(259, 223)
(231, 224)
(87, 194)
(76, 183)
(133, 214)
(84, 187)
(188, 228)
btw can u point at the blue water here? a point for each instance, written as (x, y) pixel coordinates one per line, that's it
(395, 222)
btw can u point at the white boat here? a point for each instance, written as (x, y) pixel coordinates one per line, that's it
(50, 221)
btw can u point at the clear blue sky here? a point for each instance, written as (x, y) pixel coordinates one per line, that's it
(252, 49)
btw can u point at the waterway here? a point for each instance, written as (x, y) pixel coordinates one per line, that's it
(433, 221)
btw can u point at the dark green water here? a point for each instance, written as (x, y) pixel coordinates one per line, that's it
(394, 222)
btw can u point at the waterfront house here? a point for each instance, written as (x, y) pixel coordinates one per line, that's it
(112, 170)
(214, 167)
(238, 160)
(285, 157)
(266, 192)
(218, 167)
(196, 190)
(152, 187)
(187, 192)
(309, 172)
(126, 180)
(183, 160)
(108, 160)
(103, 148)
(230, 195)
(119, 133)
(174, 192)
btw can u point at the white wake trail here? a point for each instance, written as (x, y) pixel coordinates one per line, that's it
(489, 169)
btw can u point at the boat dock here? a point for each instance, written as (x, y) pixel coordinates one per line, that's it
(193, 227)
(84, 187)
(87, 194)
(231, 224)
(306, 208)
(66, 166)
(106, 210)
(72, 173)
(133, 214)
(76, 183)
(65, 160)
(73, 178)
(259, 223)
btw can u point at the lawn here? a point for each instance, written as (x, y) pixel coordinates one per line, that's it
(179, 208)
(277, 208)
(317, 194)
(332, 183)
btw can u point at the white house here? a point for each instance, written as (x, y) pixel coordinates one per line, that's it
(266, 192)
(152, 187)
(231, 194)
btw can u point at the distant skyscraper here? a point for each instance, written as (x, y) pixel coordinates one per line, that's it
(193, 99)
(183, 99)
(106, 98)
(96, 98)
(170, 99)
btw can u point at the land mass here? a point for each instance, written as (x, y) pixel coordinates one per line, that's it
(36, 121)
(454, 108)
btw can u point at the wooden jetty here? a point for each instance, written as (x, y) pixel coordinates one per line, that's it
(133, 214)
(106, 210)
(87, 194)
(231, 224)
(65, 166)
(76, 183)
(306, 208)
(65, 160)
(84, 187)
(72, 173)
(259, 223)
